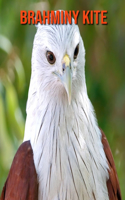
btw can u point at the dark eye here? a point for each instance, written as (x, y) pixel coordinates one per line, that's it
(76, 51)
(50, 57)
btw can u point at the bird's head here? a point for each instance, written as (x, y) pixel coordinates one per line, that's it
(58, 58)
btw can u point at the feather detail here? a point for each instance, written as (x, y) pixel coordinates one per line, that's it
(112, 183)
(21, 183)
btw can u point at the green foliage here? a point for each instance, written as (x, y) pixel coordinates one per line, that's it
(105, 71)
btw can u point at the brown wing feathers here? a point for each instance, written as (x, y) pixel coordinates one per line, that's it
(21, 183)
(112, 183)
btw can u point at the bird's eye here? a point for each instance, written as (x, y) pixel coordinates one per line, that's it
(50, 57)
(76, 51)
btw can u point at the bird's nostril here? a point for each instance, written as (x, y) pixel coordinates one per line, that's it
(63, 67)
(70, 65)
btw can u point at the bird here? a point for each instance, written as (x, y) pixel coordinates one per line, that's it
(64, 154)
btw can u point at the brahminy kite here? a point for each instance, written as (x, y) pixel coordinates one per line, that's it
(64, 156)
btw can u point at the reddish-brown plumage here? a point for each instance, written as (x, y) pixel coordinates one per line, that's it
(112, 183)
(21, 183)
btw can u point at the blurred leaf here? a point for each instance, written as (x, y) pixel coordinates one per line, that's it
(14, 114)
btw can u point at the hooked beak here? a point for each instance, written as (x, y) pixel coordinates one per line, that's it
(66, 77)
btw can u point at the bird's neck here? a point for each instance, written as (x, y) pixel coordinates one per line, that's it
(67, 148)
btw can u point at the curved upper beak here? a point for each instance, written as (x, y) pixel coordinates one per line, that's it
(66, 77)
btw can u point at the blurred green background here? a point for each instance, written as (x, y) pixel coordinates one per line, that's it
(105, 73)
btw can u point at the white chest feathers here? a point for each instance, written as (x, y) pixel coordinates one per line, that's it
(68, 153)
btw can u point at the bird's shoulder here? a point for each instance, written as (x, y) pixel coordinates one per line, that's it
(21, 182)
(112, 183)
